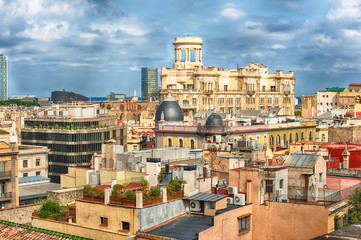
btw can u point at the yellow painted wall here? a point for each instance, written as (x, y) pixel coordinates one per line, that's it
(88, 214)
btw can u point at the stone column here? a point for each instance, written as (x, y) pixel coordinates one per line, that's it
(196, 55)
(164, 194)
(138, 199)
(175, 55)
(200, 55)
(345, 156)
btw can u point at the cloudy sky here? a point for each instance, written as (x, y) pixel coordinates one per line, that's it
(94, 47)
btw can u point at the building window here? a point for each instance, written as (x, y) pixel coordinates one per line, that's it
(263, 88)
(225, 87)
(194, 101)
(281, 183)
(37, 163)
(103, 221)
(169, 142)
(296, 140)
(125, 226)
(180, 142)
(243, 223)
(25, 174)
(192, 144)
(269, 186)
(310, 136)
(25, 163)
(273, 88)
(322, 137)
(271, 141)
(37, 173)
(320, 178)
(134, 147)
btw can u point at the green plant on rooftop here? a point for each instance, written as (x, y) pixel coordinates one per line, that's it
(144, 183)
(52, 208)
(129, 194)
(154, 192)
(118, 187)
(354, 203)
(160, 175)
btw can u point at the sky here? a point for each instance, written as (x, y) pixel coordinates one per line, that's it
(95, 47)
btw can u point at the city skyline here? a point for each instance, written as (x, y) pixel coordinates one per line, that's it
(95, 47)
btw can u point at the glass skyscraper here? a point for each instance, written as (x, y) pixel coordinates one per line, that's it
(150, 87)
(3, 77)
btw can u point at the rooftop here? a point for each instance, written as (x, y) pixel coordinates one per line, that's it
(205, 197)
(341, 183)
(184, 228)
(301, 160)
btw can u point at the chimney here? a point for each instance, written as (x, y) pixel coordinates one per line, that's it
(113, 182)
(345, 156)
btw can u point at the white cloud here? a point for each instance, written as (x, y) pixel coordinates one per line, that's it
(34, 8)
(345, 9)
(47, 31)
(322, 39)
(278, 46)
(351, 33)
(134, 68)
(251, 24)
(130, 25)
(232, 13)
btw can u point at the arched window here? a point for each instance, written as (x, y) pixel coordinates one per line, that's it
(284, 139)
(322, 137)
(302, 137)
(278, 139)
(271, 141)
(192, 144)
(296, 139)
(291, 138)
(310, 136)
(169, 142)
(181, 143)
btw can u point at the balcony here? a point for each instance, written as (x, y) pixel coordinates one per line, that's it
(5, 175)
(251, 92)
(287, 92)
(208, 92)
(5, 196)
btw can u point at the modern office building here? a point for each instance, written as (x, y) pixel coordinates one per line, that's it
(3, 77)
(150, 87)
(115, 96)
(60, 97)
(73, 133)
(196, 87)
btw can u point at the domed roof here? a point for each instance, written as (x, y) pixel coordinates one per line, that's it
(214, 120)
(169, 110)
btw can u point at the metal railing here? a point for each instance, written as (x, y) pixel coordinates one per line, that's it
(5, 195)
(5, 174)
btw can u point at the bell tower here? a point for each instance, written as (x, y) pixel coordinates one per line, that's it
(187, 52)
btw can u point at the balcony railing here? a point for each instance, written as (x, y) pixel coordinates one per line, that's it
(287, 92)
(251, 92)
(207, 92)
(5, 196)
(5, 175)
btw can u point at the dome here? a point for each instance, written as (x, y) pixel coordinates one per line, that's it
(169, 110)
(214, 120)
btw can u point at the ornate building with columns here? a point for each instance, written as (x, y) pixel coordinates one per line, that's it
(196, 87)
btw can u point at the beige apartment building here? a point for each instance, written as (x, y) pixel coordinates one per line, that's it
(196, 87)
(33, 161)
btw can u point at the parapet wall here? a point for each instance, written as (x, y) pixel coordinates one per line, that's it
(66, 196)
(20, 214)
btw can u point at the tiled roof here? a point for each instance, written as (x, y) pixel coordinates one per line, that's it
(133, 185)
(10, 230)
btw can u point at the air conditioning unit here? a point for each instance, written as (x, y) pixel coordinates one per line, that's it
(239, 199)
(230, 200)
(232, 190)
(195, 206)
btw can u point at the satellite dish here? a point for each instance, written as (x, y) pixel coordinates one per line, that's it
(313, 196)
(298, 193)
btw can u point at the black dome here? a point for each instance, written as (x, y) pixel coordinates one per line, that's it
(214, 120)
(170, 109)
